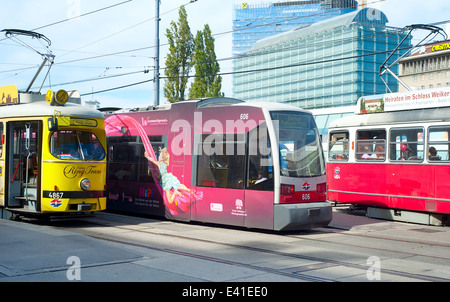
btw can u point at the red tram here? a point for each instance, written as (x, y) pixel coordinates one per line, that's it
(219, 160)
(393, 156)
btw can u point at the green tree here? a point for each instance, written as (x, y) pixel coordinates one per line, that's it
(206, 82)
(179, 59)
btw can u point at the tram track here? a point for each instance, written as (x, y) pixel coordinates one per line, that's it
(299, 276)
(337, 231)
(341, 232)
(152, 246)
(300, 273)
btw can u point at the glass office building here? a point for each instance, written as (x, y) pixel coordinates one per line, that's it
(253, 22)
(330, 63)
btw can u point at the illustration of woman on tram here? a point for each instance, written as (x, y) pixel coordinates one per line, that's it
(178, 199)
(169, 181)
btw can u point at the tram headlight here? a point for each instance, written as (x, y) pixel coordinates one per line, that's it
(85, 184)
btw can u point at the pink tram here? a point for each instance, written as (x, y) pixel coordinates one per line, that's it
(219, 160)
(392, 156)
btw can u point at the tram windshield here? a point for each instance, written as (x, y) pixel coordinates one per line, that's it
(300, 149)
(76, 145)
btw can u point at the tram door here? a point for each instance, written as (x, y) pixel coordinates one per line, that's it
(22, 164)
(178, 163)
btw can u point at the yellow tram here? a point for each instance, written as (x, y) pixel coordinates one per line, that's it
(52, 154)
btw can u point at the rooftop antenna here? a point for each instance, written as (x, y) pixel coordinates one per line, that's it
(48, 57)
(434, 30)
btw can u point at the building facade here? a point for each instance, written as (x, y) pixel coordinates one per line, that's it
(253, 22)
(427, 69)
(327, 64)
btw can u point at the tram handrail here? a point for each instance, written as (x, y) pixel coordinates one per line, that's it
(15, 172)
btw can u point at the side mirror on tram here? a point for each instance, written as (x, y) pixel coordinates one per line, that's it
(52, 124)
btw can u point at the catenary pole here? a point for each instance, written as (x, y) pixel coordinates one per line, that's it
(156, 72)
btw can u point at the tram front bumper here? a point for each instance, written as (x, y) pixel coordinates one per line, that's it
(302, 216)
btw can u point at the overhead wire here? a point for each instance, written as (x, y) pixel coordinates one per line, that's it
(101, 39)
(218, 34)
(59, 22)
(246, 71)
(262, 69)
(125, 29)
(190, 76)
(228, 58)
(78, 16)
(268, 68)
(82, 15)
(165, 44)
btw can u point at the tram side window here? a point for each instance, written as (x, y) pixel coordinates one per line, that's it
(371, 145)
(338, 146)
(126, 160)
(438, 143)
(406, 144)
(260, 167)
(146, 170)
(221, 161)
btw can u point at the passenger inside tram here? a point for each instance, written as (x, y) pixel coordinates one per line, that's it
(432, 153)
(408, 153)
(366, 153)
(379, 152)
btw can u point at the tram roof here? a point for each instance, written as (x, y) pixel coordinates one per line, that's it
(210, 103)
(439, 114)
(44, 109)
(272, 106)
(28, 104)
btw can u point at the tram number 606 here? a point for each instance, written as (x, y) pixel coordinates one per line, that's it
(251, 291)
(244, 116)
(306, 196)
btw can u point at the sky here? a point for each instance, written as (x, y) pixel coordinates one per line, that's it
(103, 44)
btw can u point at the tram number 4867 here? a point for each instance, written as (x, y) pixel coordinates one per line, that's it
(250, 291)
(56, 195)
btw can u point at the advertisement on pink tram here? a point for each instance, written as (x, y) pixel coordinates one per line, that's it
(189, 163)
